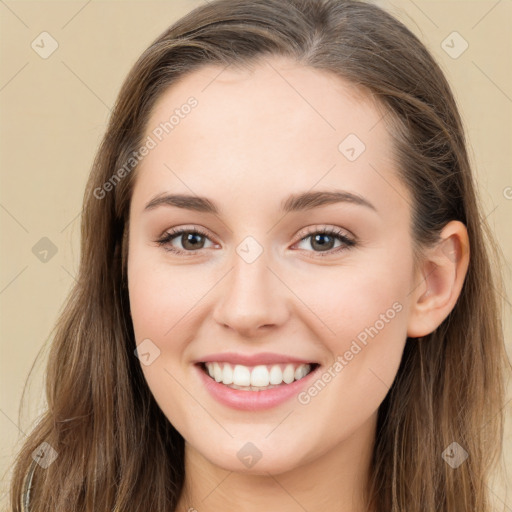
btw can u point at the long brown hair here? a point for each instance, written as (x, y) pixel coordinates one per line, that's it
(116, 449)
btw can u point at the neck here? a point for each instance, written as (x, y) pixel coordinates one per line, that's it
(333, 481)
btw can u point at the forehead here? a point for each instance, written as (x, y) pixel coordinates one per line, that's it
(273, 128)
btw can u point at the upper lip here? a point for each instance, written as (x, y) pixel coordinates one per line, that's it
(252, 359)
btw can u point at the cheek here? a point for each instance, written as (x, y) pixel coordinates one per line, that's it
(367, 315)
(162, 303)
(355, 301)
(373, 303)
(160, 296)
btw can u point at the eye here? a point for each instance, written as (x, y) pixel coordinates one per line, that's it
(324, 239)
(191, 242)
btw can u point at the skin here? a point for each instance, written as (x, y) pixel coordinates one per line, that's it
(255, 138)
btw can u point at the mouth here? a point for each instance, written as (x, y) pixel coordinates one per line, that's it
(256, 378)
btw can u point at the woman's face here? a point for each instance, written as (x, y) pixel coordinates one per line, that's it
(264, 293)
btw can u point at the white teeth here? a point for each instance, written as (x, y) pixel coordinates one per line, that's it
(276, 375)
(300, 372)
(289, 374)
(241, 375)
(256, 377)
(217, 372)
(259, 376)
(227, 374)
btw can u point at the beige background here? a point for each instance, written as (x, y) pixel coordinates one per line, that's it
(54, 112)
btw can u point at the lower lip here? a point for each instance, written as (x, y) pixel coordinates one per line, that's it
(254, 400)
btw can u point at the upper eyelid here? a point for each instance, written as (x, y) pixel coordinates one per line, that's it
(328, 228)
(311, 230)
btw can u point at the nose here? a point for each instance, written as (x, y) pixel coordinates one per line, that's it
(252, 299)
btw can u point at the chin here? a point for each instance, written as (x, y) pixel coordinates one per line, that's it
(248, 459)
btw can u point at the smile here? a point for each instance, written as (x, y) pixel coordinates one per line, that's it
(256, 378)
(258, 387)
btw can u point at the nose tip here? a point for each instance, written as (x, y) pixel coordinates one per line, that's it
(251, 299)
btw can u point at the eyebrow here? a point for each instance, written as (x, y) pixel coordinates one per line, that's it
(294, 203)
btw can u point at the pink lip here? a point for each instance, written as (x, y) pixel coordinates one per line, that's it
(254, 400)
(251, 359)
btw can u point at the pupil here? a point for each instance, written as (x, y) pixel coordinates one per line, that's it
(322, 245)
(190, 239)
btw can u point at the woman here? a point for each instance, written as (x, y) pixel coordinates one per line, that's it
(216, 352)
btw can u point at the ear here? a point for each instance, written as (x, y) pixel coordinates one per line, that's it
(441, 275)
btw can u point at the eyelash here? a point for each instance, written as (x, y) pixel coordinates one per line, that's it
(334, 232)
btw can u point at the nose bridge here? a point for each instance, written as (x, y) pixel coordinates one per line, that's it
(252, 296)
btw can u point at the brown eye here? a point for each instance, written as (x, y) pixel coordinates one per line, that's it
(324, 241)
(191, 240)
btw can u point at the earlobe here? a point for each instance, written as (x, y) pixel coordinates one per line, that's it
(441, 277)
